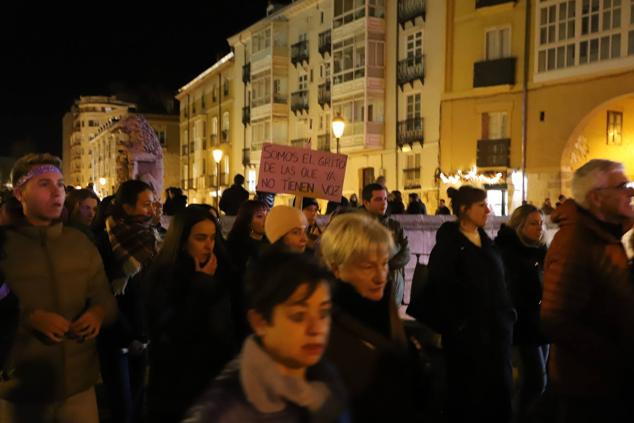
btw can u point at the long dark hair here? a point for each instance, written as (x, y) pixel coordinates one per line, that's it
(242, 225)
(173, 259)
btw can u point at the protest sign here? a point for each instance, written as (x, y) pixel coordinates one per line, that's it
(300, 171)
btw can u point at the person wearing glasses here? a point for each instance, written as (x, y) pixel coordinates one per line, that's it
(587, 308)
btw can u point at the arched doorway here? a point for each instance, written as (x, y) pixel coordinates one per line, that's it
(607, 132)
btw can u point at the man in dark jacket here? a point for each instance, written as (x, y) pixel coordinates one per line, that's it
(588, 303)
(375, 202)
(234, 196)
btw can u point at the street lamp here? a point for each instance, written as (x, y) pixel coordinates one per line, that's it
(102, 182)
(217, 153)
(338, 125)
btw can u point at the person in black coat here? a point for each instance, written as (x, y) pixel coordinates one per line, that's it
(189, 305)
(416, 206)
(523, 251)
(233, 197)
(466, 300)
(367, 342)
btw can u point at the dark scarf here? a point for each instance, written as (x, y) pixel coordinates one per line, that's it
(374, 314)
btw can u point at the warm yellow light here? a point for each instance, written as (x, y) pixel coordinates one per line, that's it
(102, 181)
(217, 153)
(338, 125)
(77, 186)
(405, 148)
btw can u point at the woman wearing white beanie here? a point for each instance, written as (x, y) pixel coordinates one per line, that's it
(286, 227)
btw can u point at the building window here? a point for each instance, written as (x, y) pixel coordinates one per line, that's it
(302, 82)
(614, 127)
(261, 132)
(630, 43)
(348, 59)
(225, 127)
(498, 43)
(346, 11)
(261, 41)
(413, 106)
(160, 134)
(352, 112)
(376, 54)
(415, 45)
(376, 8)
(411, 172)
(261, 89)
(494, 125)
(578, 32)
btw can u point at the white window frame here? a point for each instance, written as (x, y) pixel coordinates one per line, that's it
(501, 50)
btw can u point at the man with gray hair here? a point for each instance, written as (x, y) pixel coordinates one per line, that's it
(587, 308)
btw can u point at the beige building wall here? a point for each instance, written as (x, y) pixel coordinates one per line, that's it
(371, 143)
(108, 149)
(87, 115)
(208, 115)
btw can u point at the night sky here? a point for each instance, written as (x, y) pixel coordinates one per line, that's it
(52, 54)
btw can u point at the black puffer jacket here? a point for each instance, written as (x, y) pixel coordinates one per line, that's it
(524, 266)
(192, 337)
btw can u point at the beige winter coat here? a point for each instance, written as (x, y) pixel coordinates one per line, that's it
(55, 269)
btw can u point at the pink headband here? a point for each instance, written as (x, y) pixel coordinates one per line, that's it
(36, 171)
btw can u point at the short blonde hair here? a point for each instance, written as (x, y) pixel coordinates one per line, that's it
(353, 236)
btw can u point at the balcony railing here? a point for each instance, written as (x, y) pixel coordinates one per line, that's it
(246, 73)
(279, 98)
(410, 131)
(486, 3)
(410, 70)
(325, 43)
(324, 94)
(494, 72)
(409, 10)
(494, 153)
(246, 115)
(299, 101)
(323, 142)
(300, 142)
(299, 52)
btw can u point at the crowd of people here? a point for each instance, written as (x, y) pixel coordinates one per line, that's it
(284, 320)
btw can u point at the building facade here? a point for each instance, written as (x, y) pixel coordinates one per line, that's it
(209, 119)
(313, 60)
(94, 143)
(533, 90)
(82, 122)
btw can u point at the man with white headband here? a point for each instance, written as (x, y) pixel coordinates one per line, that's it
(57, 275)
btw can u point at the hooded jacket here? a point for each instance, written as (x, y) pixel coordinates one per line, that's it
(588, 305)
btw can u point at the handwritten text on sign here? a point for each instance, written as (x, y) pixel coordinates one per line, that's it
(299, 171)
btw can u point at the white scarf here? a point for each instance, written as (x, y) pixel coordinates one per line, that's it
(269, 390)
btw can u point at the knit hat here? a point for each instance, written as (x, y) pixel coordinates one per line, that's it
(281, 220)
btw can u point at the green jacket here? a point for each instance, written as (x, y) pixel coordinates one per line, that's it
(56, 269)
